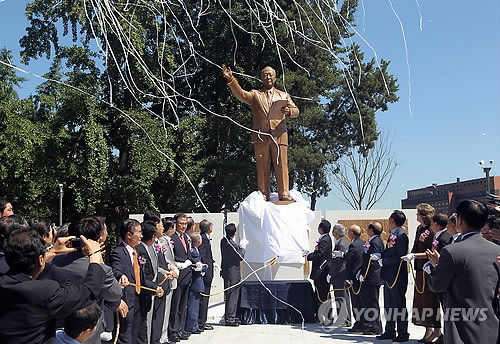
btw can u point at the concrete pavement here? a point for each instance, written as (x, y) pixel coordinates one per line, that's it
(287, 334)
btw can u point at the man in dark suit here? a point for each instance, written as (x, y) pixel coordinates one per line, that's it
(395, 297)
(438, 226)
(468, 274)
(337, 276)
(354, 259)
(196, 287)
(208, 259)
(182, 256)
(71, 268)
(232, 255)
(30, 306)
(128, 267)
(371, 283)
(320, 258)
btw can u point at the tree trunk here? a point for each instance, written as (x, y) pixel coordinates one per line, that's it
(313, 200)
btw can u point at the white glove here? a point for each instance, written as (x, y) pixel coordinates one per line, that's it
(305, 253)
(198, 266)
(243, 243)
(427, 267)
(376, 256)
(184, 265)
(358, 274)
(328, 277)
(380, 262)
(337, 254)
(408, 258)
(361, 278)
(216, 267)
(349, 282)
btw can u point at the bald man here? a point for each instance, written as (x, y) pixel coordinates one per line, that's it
(354, 259)
(273, 147)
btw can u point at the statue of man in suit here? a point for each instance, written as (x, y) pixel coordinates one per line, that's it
(272, 144)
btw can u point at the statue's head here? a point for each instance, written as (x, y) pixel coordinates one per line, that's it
(268, 77)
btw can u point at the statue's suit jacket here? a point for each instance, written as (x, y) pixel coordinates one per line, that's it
(468, 274)
(260, 109)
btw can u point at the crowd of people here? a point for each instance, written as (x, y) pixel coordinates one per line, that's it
(56, 288)
(457, 275)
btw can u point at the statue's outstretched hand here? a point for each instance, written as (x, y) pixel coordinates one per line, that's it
(226, 71)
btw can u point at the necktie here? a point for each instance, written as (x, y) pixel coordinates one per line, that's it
(137, 273)
(183, 242)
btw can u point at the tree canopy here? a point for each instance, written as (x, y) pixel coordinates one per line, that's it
(147, 107)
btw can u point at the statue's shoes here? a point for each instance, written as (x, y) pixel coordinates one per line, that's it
(286, 198)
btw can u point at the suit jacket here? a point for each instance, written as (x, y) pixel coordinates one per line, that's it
(260, 109)
(321, 257)
(150, 272)
(122, 265)
(205, 250)
(181, 255)
(169, 257)
(232, 254)
(469, 276)
(422, 246)
(373, 276)
(4, 267)
(70, 269)
(443, 240)
(354, 258)
(391, 257)
(29, 307)
(338, 265)
(197, 285)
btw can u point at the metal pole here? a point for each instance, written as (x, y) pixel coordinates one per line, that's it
(61, 193)
(487, 171)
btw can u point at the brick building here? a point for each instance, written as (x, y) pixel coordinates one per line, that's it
(445, 198)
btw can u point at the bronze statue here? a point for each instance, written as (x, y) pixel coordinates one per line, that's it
(269, 107)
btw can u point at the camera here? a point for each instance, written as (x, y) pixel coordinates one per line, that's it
(76, 243)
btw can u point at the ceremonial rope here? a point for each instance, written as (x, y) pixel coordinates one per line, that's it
(117, 327)
(415, 279)
(397, 275)
(118, 313)
(269, 263)
(361, 283)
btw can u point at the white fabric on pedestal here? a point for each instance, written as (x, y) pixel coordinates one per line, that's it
(275, 230)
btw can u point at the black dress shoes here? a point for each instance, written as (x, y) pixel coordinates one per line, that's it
(174, 338)
(371, 332)
(386, 335)
(208, 327)
(232, 323)
(196, 332)
(183, 335)
(402, 338)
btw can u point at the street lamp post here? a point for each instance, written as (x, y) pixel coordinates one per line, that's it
(486, 170)
(61, 193)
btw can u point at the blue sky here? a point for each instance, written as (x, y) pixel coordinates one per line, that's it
(455, 80)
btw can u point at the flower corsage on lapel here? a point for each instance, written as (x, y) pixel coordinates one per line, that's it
(366, 246)
(392, 241)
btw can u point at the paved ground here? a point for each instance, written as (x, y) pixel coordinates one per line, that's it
(287, 334)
